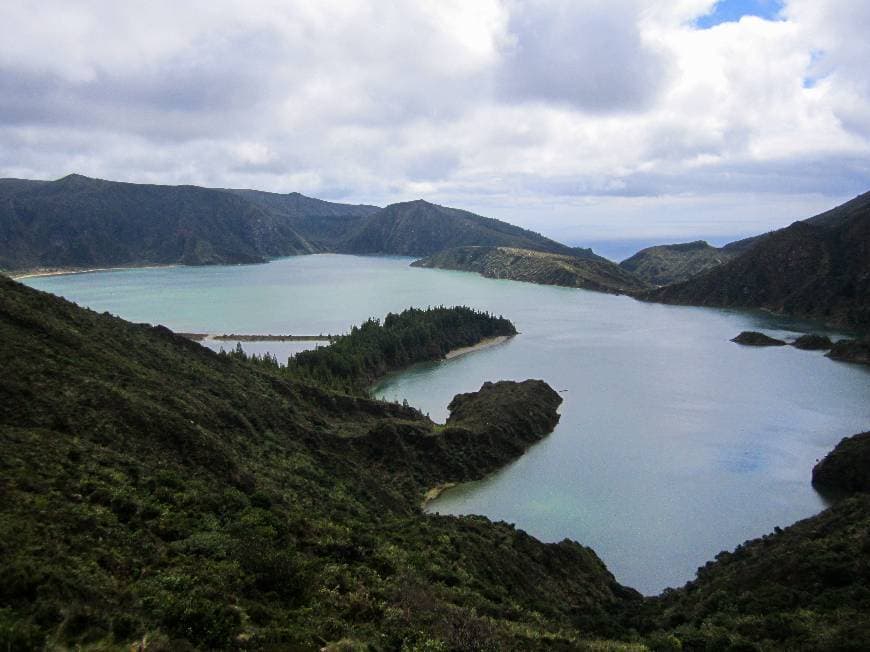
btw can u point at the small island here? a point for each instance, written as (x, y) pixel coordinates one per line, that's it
(813, 342)
(754, 338)
(857, 351)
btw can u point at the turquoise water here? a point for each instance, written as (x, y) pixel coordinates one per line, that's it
(673, 444)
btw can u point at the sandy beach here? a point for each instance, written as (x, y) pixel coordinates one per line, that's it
(63, 272)
(434, 492)
(492, 341)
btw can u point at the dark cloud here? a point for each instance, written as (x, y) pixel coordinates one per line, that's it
(829, 176)
(432, 165)
(587, 55)
(206, 88)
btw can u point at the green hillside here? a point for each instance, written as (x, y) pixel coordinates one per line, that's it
(156, 491)
(77, 222)
(816, 269)
(666, 264)
(418, 228)
(590, 273)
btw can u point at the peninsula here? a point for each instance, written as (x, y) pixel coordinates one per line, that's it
(578, 271)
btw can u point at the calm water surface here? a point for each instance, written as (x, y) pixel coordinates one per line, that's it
(674, 443)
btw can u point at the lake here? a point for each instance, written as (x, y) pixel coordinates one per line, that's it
(673, 444)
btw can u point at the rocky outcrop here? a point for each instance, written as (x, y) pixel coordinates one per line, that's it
(486, 430)
(813, 342)
(537, 267)
(851, 351)
(754, 338)
(847, 467)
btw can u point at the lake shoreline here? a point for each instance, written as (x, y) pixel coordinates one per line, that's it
(68, 271)
(483, 344)
(649, 390)
(435, 492)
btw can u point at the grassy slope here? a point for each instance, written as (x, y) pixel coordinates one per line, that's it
(537, 267)
(666, 264)
(418, 228)
(152, 486)
(323, 224)
(816, 269)
(804, 587)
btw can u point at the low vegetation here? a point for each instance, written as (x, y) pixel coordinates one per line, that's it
(586, 271)
(419, 228)
(816, 269)
(804, 587)
(666, 264)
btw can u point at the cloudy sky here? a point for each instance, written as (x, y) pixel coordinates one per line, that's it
(588, 120)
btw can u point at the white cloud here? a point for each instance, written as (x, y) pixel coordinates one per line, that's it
(500, 105)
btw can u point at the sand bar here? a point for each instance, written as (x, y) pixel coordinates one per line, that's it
(72, 270)
(490, 341)
(434, 492)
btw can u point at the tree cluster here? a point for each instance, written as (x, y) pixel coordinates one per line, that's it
(374, 349)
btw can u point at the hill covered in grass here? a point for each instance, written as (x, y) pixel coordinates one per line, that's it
(815, 269)
(666, 264)
(323, 224)
(802, 587)
(418, 228)
(156, 491)
(590, 273)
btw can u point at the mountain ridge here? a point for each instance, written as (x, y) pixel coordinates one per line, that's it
(77, 222)
(816, 269)
(420, 228)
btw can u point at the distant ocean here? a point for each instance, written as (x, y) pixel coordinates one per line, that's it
(619, 250)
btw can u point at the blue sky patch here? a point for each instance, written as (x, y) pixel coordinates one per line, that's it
(729, 11)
